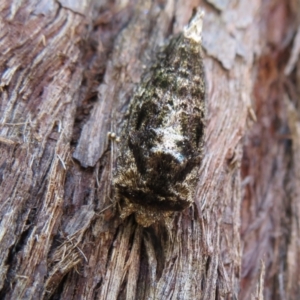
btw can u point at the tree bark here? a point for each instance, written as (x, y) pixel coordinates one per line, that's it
(67, 72)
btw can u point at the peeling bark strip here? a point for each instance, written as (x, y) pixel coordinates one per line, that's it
(162, 142)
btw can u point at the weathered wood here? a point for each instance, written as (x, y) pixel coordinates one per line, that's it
(269, 208)
(67, 72)
(40, 76)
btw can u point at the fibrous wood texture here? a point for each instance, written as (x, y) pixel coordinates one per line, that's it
(67, 72)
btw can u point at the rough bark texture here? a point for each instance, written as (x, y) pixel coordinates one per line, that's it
(67, 72)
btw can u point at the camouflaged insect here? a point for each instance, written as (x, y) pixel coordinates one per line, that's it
(161, 144)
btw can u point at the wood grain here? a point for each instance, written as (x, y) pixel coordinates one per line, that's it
(67, 72)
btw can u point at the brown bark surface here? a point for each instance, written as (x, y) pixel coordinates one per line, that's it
(67, 72)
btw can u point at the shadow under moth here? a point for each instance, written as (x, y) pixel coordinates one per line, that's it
(161, 144)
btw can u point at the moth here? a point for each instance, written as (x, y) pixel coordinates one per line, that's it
(161, 144)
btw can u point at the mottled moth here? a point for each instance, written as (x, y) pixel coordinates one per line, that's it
(161, 144)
